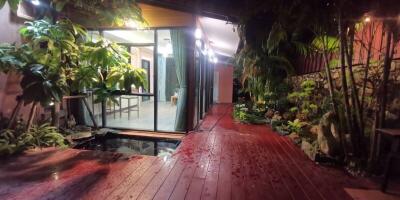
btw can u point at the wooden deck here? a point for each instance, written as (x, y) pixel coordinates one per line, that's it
(222, 160)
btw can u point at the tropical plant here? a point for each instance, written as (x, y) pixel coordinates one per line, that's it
(305, 100)
(16, 140)
(105, 67)
(43, 135)
(57, 60)
(295, 126)
(113, 12)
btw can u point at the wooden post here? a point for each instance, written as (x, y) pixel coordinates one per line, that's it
(55, 117)
(31, 115)
(15, 112)
(103, 113)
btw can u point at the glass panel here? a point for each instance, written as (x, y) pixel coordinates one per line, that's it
(131, 112)
(93, 36)
(95, 108)
(130, 36)
(171, 80)
(135, 112)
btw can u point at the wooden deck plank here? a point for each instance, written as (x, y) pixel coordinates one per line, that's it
(228, 161)
(225, 170)
(158, 135)
(152, 188)
(237, 186)
(326, 187)
(183, 184)
(197, 182)
(119, 191)
(184, 153)
(144, 180)
(211, 180)
(118, 173)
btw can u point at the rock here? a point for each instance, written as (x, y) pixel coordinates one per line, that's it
(269, 114)
(83, 128)
(328, 143)
(81, 135)
(104, 131)
(395, 106)
(314, 129)
(309, 149)
(295, 137)
(391, 116)
(287, 116)
(277, 116)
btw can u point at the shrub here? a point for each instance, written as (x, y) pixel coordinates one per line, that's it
(295, 126)
(15, 141)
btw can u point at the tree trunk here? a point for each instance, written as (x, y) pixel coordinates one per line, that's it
(15, 112)
(31, 115)
(386, 72)
(104, 113)
(382, 95)
(365, 81)
(55, 118)
(330, 82)
(358, 128)
(343, 75)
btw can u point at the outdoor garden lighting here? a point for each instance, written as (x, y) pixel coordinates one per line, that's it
(198, 34)
(132, 24)
(35, 2)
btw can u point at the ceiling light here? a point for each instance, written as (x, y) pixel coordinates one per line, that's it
(198, 34)
(198, 43)
(35, 2)
(210, 53)
(215, 60)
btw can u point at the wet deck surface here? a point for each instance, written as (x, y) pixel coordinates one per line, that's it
(223, 160)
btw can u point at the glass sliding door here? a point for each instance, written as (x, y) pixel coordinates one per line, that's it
(136, 110)
(162, 104)
(171, 80)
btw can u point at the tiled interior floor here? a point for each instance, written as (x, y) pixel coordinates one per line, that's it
(143, 119)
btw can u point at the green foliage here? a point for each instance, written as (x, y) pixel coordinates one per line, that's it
(18, 140)
(56, 60)
(325, 43)
(112, 12)
(43, 136)
(12, 3)
(245, 115)
(10, 58)
(105, 66)
(295, 126)
(39, 85)
(304, 101)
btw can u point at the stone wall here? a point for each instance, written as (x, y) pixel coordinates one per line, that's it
(374, 81)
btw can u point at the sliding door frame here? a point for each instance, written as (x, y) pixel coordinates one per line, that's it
(155, 95)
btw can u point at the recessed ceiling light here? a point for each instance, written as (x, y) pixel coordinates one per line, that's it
(198, 34)
(35, 2)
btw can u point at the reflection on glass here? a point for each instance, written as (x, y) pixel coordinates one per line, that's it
(130, 36)
(135, 112)
(171, 63)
